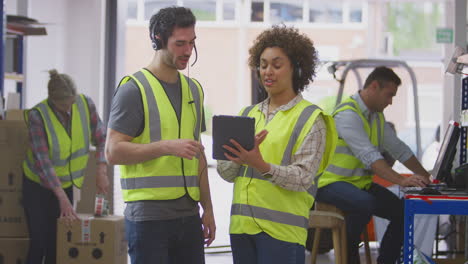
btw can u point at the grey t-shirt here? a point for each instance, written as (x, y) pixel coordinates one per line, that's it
(126, 117)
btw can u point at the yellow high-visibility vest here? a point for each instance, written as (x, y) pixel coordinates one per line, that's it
(68, 153)
(345, 166)
(166, 177)
(258, 204)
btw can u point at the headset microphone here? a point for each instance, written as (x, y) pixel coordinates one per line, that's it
(196, 55)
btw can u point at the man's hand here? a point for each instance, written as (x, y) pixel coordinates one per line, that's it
(102, 181)
(415, 180)
(209, 227)
(185, 148)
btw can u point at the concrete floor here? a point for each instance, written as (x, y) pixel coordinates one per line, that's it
(327, 258)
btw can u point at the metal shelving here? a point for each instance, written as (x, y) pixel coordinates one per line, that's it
(2, 49)
(464, 132)
(16, 28)
(17, 74)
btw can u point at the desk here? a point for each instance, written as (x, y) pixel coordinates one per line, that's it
(424, 204)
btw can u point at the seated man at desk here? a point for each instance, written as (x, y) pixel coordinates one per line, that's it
(347, 182)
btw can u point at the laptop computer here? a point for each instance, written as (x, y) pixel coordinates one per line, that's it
(448, 184)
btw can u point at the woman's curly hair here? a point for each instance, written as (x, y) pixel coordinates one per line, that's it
(298, 47)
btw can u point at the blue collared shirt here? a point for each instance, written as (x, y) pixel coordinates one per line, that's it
(350, 128)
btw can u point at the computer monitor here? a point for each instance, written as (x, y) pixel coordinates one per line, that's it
(448, 148)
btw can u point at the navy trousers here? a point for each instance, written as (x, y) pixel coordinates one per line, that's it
(175, 241)
(264, 249)
(42, 210)
(359, 206)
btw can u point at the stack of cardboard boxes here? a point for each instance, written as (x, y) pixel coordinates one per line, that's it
(13, 229)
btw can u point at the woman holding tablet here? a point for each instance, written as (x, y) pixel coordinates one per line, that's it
(274, 183)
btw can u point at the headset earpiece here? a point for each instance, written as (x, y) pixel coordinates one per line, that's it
(156, 43)
(299, 72)
(257, 69)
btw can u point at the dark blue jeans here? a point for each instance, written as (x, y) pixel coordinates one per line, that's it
(42, 210)
(359, 206)
(263, 249)
(175, 241)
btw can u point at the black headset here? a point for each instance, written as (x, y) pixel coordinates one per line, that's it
(155, 42)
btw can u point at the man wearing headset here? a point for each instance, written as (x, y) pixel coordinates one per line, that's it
(154, 134)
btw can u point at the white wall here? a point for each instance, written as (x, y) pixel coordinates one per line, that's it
(11, 6)
(43, 52)
(83, 53)
(73, 45)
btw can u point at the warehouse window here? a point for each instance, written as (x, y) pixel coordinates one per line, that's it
(152, 6)
(229, 10)
(355, 12)
(132, 9)
(203, 10)
(271, 11)
(418, 20)
(330, 12)
(307, 11)
(257, 11)
(286, 11)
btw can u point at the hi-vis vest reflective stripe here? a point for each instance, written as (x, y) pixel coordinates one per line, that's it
(68, 153)
(260, 205)
(166, 177)
(345, 166)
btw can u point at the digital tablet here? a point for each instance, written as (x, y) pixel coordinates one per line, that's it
(239, 128)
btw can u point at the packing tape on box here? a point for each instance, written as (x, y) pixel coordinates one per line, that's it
(101, 206)
(86, 229)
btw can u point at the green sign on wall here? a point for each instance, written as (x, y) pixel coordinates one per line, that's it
(444, 35)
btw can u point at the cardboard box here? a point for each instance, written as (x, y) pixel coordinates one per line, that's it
(92, 240)
(15, 114)
(460, 259)
(13, 146)
(11, 172)
(12, 219)
(12, 101)
(14, 138)
(87, 194)
(14, 135)
(13, 250)
(14, 143)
